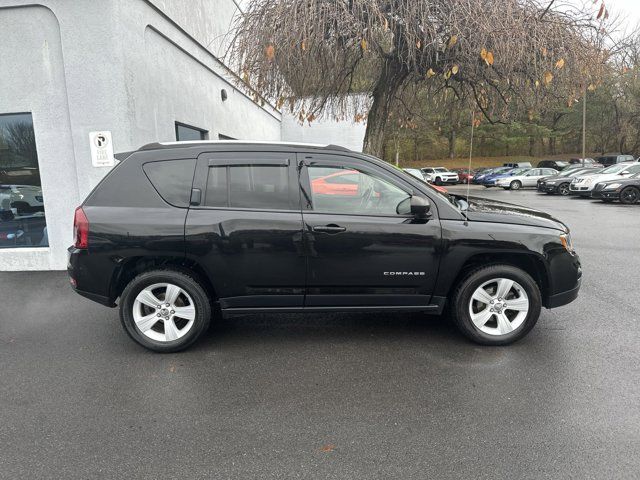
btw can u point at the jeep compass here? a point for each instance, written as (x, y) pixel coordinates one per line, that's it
(179, 232)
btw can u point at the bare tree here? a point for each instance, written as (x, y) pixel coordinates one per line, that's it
(313, 54)
(21, 140)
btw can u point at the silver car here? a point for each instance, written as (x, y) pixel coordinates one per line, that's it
(529, 178)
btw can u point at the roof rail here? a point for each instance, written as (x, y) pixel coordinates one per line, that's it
(193, 143)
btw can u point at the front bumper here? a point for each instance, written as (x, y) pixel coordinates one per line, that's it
(451, 180)
(547, 188)
(563, 298)
(606, 194)
(580, 191)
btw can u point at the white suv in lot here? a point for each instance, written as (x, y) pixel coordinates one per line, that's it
(583, 185)
(439, 175)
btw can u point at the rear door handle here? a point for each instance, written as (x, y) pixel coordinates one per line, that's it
(331, 228)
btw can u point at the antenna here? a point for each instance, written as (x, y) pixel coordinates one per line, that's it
(473, 121)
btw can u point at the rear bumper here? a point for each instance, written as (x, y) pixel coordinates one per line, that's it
(82, 278)
(106, 301)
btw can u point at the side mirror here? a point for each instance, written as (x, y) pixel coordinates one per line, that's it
(420, 207)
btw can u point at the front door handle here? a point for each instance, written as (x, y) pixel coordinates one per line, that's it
(331, 228)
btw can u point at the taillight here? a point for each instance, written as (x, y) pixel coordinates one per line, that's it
(80, 229)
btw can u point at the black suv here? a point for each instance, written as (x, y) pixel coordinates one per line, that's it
(556, 164)
(177, 231)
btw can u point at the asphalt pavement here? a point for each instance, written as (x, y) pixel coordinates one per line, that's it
(332, 396)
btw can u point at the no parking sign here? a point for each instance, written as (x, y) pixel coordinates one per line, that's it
(101, 149)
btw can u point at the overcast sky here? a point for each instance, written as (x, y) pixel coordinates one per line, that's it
(629, 11)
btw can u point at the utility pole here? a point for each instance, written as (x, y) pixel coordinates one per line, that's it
(584, 124)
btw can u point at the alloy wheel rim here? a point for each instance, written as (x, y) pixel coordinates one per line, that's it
(499, 306)
(164, 312)
(515, 185)
(630, 196)
(564, 189)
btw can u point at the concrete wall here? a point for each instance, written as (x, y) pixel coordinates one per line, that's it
(119, 65)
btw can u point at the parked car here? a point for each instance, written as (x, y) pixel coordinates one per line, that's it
(479, 178)
(25, 199)
(465, 175)
(582, 185)
(555, 164)
(177, 229)
(585, 162)
(439, 175)
(517, 164)
(491, 179)
(559, 184)
(626, 190)
(614, 158)
(528, 178)
(418, 174)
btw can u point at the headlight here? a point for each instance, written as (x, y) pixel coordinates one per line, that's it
(551, 182)
(612, 186)
(565, 240)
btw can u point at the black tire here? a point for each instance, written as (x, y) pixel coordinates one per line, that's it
(563, 189)
(630, 195)
(464, 291)
(189, 284)
(438, 181)
(607, 200)
(515, 185)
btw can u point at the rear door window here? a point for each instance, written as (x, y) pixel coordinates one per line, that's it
(255, 184)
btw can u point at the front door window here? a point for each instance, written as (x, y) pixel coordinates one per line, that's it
(348, 190)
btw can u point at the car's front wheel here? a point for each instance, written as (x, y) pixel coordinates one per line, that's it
(630, 195)
(496, 305)
(563, 189)
(515, 185)
(438, 181)
(165, 310)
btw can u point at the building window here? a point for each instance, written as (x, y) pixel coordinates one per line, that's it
(22, 221)
(188, 133)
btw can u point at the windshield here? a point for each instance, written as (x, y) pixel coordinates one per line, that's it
(615, 168)
(440, 169)
(573, 171)
(518, 171)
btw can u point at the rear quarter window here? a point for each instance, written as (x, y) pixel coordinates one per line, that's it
(172, 179)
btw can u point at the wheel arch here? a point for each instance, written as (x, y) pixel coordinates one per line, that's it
(134, 266)
(533, 264)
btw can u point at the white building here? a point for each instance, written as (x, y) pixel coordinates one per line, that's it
(144, 70)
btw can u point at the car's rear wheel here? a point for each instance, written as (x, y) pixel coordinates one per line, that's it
(496, 305)
(563, 189)
(630, 195)
(165, 310)
(515, 185)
